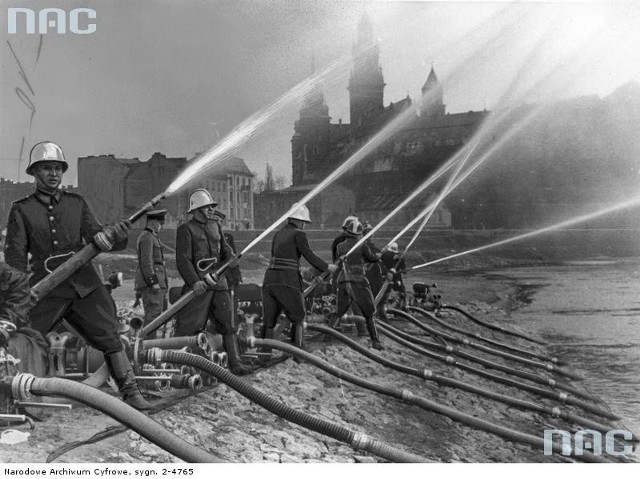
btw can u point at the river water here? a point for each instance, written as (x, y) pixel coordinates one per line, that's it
(589, 311)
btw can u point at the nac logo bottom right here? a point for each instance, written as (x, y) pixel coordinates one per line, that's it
(589, 440)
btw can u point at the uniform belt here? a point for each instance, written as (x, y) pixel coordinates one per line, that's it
(161, 263)
(284, 263)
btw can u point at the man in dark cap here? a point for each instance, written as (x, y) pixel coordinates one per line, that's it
(151, 275)
(45, 228)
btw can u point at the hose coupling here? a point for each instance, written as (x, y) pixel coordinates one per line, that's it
(466, 342)
(194, 382)
(562, 397)
(555, 412)
(360, 441)
(552, 383)
(550, 367)
(554, 360)
(427, 373)
(251, 341)
(407, 395)
(21, 386)
(450, 360)
(449, 349)
(202, 341)
(154, 355)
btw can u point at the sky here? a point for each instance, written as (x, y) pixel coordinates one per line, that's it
(176, 76)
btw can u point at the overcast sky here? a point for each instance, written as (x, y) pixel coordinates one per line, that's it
(174, 76)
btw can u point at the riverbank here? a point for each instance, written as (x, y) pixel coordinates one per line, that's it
(230, 425)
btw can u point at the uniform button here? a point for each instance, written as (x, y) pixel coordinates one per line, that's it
(55, 243)
(51, 218)
(50, 207)
(53, 231)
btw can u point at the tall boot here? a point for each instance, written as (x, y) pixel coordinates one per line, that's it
(360, 327)
(122, 373)
(266, 333)
(373, 334)
(230, 342)
(297, 335)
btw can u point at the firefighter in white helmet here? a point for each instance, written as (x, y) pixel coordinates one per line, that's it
(353, 287)
(49, 226)
(393, 264)
(282, 285)
(201, 238)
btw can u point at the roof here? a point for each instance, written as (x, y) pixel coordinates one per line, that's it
(229, 166)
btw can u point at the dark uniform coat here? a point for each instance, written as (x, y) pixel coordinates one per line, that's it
(282, 285)
(14, 296)
(196, 241)
(151, 271)
(353, 286)
(45, 225)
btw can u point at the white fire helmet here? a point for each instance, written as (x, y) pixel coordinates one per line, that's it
(353, 226)
(393, 247)
(300, 213)
(200, 198)
(46, 151)
(348, 219)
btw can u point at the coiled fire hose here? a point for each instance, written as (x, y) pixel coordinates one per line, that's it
(429, 375)
(486, 363)
(493, 342)
(410, 398)
(558, 396)
(327, 428)
(493, 326)
(24, 385)
(465, 342)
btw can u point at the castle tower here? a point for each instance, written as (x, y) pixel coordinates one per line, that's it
(431, 103)
(310, 141)
(366, 85)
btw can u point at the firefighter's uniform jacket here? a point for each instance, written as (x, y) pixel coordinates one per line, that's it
(353, 286)
(151, 271)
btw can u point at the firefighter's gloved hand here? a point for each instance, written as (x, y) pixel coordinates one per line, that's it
(121, 230)
(332, 268)
(199, 287)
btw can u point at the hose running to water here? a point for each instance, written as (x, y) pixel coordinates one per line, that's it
(429, 375)
(493, 342)
(493, 326)
(551, 368)
(23, 385)
(450, 360)
(410, 398)
(335, 431)
(485, 362)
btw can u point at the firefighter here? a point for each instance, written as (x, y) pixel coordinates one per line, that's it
(14, 301)
(393, 264)
(353, 287)
(282, 285)
(47, 227)
(151, 275)
(198, 239)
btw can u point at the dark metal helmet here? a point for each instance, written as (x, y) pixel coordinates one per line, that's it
(46, 151)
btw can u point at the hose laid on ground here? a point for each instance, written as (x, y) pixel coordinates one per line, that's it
(558, 396)
(335, 431)
(489, 364)
(493, 342)
(177, 342)
(429, 375)
(23, 385)
(465, 342)
(493, 326)
(410, 398)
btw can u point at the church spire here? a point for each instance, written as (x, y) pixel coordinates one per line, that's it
(431, 102)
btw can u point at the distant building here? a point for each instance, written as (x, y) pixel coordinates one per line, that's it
(9, 192)
(387, 175)
(118, 187)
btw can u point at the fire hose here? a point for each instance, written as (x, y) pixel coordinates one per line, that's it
(478, 336)
(558, 396)
(493, 326)
(327, 428)
(411, 398)
(489, 364)
(24, 385)
(429, 375)
(465, 342)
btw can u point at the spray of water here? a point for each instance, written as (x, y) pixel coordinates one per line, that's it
(563, 224)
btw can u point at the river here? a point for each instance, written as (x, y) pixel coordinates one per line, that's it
(589, 311)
